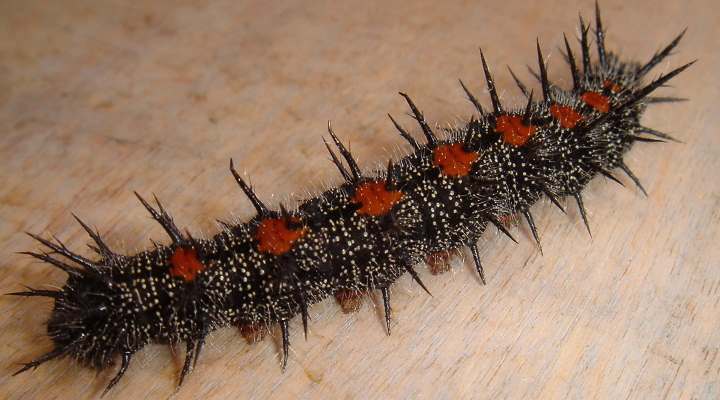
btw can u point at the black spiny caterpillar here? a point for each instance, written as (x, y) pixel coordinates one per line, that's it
(367, 232)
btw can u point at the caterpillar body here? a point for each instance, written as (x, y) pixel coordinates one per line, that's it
(364, 234)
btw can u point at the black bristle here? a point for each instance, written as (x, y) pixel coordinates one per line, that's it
(304, 314)
(635, 138)
(354, 169)
(660, 81)
(664, 99)
(417, 279)
(187, 365)
(95, 236)
(70, 270)
(429, 135)
(476, 260)
(126, 356)
(497, 107)
(285, 330)
(386, 305)
(163, 218)
(61, 249)
(659, 56)
(519, 83)
(634, 178)
(472, 98)
(571, 63)
(338, 163)
(259, 205)
(55, 353)
(583, 213)
(36, 293)
(587, 68)
(527, 115)
(533, 229)
(543, 74)
(403, 133)
(554, 199)
(501, 227)
(609, 175)
(600, 37)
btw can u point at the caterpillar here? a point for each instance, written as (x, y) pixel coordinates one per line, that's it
(361, 235)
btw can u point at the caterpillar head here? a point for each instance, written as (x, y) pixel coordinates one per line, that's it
(84, 320)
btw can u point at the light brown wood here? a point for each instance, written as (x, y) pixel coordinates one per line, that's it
(101, 98)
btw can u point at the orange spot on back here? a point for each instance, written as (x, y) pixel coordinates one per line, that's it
(453, 159)
(614, 87)
(597, 101)
(375, 199)
(514, 131)
(275, 237)
(185, 264)
(566, 116)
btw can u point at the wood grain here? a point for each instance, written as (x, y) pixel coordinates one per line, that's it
(101, 98)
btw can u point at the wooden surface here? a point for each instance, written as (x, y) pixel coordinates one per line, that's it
(101, 98)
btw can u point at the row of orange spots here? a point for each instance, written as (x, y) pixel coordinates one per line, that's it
(185, 264)
(453, 160)
(375, 199)
(565, 115)
(513, 129)
(568, 117)
(274, 236)
(515, 132)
